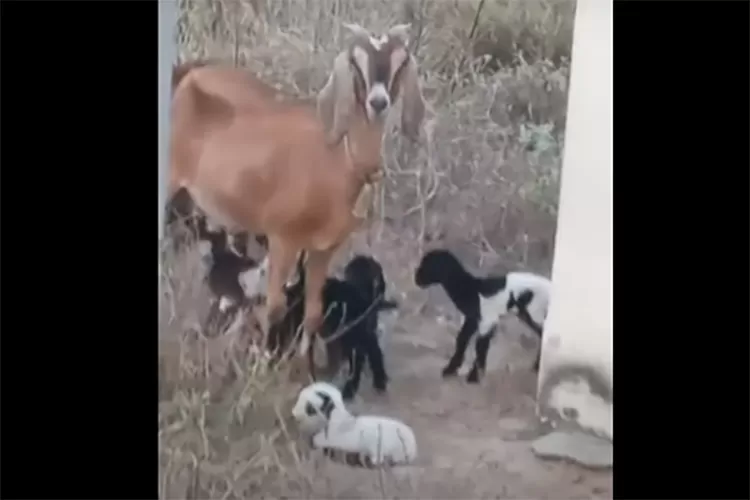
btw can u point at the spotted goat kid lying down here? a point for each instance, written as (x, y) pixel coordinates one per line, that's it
(359, 441)
(483, 301)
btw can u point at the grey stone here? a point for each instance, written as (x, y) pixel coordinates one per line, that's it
(584, 449)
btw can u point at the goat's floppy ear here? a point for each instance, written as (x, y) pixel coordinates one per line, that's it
(400, 31)
(327, 406)
(412, 106)
(336, 99)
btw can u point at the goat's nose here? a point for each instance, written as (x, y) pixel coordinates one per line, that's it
(378, 103)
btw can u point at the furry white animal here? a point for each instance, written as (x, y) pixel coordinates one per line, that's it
(365, 441)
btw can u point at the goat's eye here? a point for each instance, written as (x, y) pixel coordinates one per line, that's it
(310, 409)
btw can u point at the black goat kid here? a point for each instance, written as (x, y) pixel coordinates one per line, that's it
(350, 324)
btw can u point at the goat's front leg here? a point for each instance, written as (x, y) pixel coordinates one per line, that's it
(334, 357)
(281, 260)
(462, 341)
(352, 384)
(316, 270)
(535, 368)
(482, 347)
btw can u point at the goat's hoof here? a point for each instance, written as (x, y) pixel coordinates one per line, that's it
(450, 371)
(473, 377)
(347, 393)
(380, 388)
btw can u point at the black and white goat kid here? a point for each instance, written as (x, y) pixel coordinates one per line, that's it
(234, 278)
(350, 325)
(231, 278)
(361, 441)
(483, 301)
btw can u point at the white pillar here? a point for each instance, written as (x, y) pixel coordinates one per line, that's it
(575, 379)
(167, 57)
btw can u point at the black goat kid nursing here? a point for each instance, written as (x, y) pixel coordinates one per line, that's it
(350, 323)
(483, 301)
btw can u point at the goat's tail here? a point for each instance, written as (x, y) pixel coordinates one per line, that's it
(179, 71)
(387, 305)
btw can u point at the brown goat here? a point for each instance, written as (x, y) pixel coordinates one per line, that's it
(285, 169)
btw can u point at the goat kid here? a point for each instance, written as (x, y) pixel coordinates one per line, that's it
(361, 441)
(366, 274)
(350, 323)
(236, 147)
(483, 301)
(233, 279)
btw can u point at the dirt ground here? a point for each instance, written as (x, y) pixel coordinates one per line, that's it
(474, 440)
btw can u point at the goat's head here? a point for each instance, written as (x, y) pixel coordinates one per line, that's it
(435, 266)
(368, 77)
(367, 274)
(314, 406)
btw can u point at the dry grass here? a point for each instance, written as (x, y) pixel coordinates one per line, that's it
(484, 182)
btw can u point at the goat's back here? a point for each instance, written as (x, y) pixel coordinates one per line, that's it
(237, 86)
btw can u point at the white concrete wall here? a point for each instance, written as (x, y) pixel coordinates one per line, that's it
(167, 57)
(575, 380)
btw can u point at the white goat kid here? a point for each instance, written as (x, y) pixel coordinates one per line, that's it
(364, 441)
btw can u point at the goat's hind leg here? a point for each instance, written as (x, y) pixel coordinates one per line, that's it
(462, 341)
(525, 317)
(482, 347)
(377, 363)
